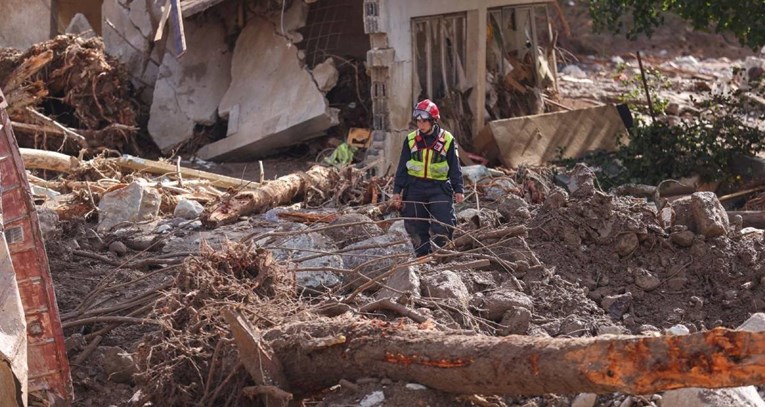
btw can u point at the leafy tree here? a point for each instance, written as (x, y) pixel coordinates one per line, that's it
(744, 18)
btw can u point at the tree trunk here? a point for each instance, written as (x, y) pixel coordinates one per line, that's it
(317, 354)
(279, 192)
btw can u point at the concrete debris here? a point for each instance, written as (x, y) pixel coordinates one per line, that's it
(617, 305)
(188, 209)
(132, 203)
(539, 139)
(403, 282)
(360, 227)
(374, 399)
(118, 364)
(584, 400)
(80, 26)
(188, 90)
(496, 304)
(326, 75)
(696, 397)
(314, 280)
(516, 321)
(387, 249)
(710, 217)
(265, 111)
(445, 284)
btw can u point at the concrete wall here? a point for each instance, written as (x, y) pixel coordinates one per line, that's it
(24, 22)
(394, 22)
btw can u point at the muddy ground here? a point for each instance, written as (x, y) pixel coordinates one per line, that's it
(580, 250)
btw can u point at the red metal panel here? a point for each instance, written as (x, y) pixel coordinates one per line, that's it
(49, 375)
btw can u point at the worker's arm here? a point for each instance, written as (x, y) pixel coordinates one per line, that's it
(455, 171)
(402, 176)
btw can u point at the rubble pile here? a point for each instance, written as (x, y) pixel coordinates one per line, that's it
(532, 256)
(67, 93)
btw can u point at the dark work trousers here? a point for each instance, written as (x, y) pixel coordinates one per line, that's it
(426, 200)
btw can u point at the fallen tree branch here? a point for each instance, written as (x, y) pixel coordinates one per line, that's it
(514, 365)
(48, 160)
(387, 304)
(163, 168)
(112, 318)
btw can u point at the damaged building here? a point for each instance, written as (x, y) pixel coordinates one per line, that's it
(243, 79)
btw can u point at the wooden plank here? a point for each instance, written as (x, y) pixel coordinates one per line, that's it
(159, 167)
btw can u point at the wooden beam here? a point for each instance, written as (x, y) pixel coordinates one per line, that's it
(163, 168)
(48, 160)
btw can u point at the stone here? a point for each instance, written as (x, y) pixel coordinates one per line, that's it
(516, 321)
(573, 326)
(556, 199)
(188, 90)
(188, 209)
(495, 304)
(118, 364)
(617, 305)
(610, 330)
(291, 250)
(272, 100)
(696, 397)
(512, 206)
(500, 189)
(645, 279)
(398, 228)
(48, 219)
(359, 254)
(627, 243)
(709, 215)
(373, 399)
(581, 182)
(678, 330)
(682, 239)
(132, 203)
(415, 386)
(755, 323)
(80, 26)
(402, 282)
(326, 75)
(362, 228)
(673, 109)
(118, 248)
(584, 400)
(445, 284)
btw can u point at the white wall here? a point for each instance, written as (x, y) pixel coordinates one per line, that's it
(24, 22)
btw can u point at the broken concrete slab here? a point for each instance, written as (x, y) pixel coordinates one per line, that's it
(363, 254)
(539, 139)
(360, 227)
(405, 281)
(326, 75)
(495, 304)
(24, 23)
(80, 26)
(445, 284)
(187, 91)
(132, 203)
(292, 249)
(272, 102)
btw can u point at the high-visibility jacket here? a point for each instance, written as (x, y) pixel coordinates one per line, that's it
(429, 162)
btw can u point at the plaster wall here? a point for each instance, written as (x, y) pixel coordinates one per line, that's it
(24, 23)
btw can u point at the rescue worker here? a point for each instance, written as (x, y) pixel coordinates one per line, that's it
(429, 177)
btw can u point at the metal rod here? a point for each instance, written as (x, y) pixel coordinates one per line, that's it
(645, 85)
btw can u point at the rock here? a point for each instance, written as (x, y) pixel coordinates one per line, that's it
(645, 280)
(382, 247)
(513, 206)
(709, 215)
(617, 305)
(475, 173)
(313, 280)
(755, 323)
(398, 228)
(326, 75)
(499, 189)
(272, 100)
(363, 228)
(401, 282)
(682, 239)
(681, 207)
(118, 248)
(696, 397)
(188, 90)
(610, 330)
(584, 400)
(627, 243)
(573, 71)
(647, 329)
(141, 242)
(374, 399)
(672, 109)
(516, 321)
(557, 199)
(495, 304)
(581, 182)
(445, 284)
(415, 386)
(162, 229)
(132, 203)
(188, 209)
(48, 219)
(81, 27)
(678, 330)
(573, 326)
(118, 364)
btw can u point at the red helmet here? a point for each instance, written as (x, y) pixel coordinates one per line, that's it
(426, 110)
